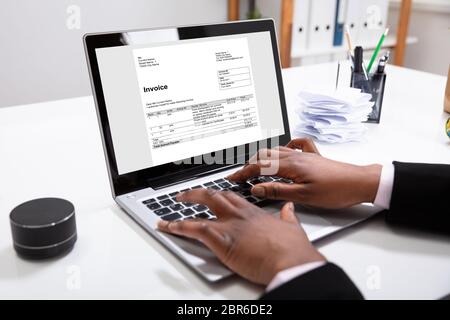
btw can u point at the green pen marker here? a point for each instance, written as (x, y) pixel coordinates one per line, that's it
(377, 49)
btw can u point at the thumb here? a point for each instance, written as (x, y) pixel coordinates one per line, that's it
(278, 191)
(287, 213)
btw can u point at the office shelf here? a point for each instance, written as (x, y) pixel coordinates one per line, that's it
(390, 42)
(287, 7)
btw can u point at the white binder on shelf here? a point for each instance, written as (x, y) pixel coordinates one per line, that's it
(353, 19)
(300, 24)
(321, 24)
(373, 17)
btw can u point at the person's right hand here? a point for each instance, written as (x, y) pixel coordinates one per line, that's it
(317, 181)
(250, 241)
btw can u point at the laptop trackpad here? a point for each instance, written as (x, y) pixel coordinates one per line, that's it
(311, 222)
(318, 223)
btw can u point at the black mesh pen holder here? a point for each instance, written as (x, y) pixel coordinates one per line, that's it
(374, 86)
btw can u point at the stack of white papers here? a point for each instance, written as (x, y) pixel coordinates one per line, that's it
(335, 117)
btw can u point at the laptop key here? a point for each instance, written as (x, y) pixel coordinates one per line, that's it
(200, 207)
(149, 201)
(244, 185)
(176, 207)
(162, 211)
(215, 187)
(166, 202)
(197, 187)
(224, 185)
(256, 181)
(172, 216)
(258, 199)
(187, 204)
(173, 194)
(187, 212)
(164, 196)
(153, 206)
(251, 199)
(202, 215)
(233, 183)
(219, 181)
(211, 214)
(208, 184)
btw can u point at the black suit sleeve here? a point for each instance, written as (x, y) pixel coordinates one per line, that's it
(421, 196)
(326, 282)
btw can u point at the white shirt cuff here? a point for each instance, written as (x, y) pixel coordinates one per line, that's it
(384, 192)
(291, 273)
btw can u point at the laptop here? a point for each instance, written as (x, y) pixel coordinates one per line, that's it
(182, 108)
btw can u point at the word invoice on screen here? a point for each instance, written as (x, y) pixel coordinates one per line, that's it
(197, 97)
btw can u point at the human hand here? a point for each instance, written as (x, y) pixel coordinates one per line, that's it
(248, 240)
(317, 181)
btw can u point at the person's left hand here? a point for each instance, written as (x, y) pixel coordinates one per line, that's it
(251, 242)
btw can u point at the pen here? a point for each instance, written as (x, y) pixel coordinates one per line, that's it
(337, 74)
(381, 65)
(387, 55)
(364, 70)
(382, 62)
(359, 79)
(350, 50)
(358, 60)
(351, 59)
(349, 41)
(377, 49)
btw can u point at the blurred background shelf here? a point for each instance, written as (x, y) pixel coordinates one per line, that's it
(397, 43)
(389, 43)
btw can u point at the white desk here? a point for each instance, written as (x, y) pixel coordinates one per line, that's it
(54, 149)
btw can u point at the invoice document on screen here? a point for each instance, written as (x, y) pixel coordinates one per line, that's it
(197, 97)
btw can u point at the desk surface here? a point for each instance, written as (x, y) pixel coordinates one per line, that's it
(54, 149)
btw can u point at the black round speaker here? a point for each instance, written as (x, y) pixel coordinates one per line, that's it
(43, 228)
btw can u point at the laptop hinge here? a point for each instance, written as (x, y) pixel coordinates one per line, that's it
(167, 181)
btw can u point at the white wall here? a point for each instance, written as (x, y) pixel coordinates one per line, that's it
(430, 23)
(41, 59)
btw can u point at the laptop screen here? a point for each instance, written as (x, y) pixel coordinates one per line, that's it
(169, 98)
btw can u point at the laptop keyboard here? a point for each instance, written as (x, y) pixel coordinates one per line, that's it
(168, 208)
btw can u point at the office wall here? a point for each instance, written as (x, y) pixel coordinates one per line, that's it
(42, 56)
(430, 23)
